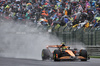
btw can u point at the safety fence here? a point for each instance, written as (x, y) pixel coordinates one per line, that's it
(88, 36)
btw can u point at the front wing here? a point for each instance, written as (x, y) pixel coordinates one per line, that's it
(71, 58)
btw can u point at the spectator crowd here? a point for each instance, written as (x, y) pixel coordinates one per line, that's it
(70, 13)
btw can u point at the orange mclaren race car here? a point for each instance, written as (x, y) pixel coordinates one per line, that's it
(64, 53)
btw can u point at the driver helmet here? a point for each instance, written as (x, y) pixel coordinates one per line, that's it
(63, 43)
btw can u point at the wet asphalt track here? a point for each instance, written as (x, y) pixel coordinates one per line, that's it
(32, 62)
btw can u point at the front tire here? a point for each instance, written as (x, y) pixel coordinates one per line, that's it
(83, 53)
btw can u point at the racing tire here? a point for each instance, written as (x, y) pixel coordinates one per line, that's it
(45, 54)
(83, 53)
(56, 55)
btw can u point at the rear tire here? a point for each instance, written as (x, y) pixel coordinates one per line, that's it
(46, 54)
(83, 53)
(56, 55)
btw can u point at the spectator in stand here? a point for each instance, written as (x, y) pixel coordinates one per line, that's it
(56, 12)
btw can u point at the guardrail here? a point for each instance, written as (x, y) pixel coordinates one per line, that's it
(93, 51)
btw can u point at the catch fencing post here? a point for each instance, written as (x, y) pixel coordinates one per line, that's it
(95, 36)
(91, 37)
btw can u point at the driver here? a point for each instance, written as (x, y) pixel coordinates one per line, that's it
(63, 46)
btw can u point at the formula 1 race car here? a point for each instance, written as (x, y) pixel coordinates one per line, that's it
(64, 53)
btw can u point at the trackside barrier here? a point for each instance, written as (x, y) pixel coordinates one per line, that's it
(93, 51)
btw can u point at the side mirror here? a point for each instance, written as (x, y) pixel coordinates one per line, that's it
(75, 48)
(68, 47)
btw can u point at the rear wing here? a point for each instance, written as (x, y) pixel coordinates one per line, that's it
(53, 46)
(56, 46)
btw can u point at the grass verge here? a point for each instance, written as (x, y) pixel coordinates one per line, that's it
(94, 56)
